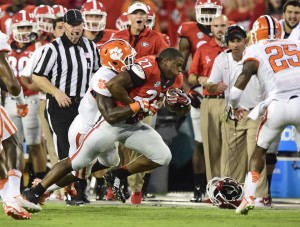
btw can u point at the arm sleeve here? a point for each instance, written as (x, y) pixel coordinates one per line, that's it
(29, 67)
(216, 74)
(194, 68)
(46, 62)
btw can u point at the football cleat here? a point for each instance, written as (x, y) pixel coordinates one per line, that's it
(28, 206)
(116, 184)
(109, 194)
(263, 202)
(45, 195)
(136, 198)
(246, 205)
(15, 211)
(197, 198)
(30, 196)
(71, 190)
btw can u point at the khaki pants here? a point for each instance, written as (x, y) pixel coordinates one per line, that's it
(238, 144)
(212, 112)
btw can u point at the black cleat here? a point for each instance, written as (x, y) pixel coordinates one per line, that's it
(197, 198)
(100, 192)
(30, 196)
(116, 184)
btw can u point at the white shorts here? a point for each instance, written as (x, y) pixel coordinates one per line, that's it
(100, 141)
(29, 127)
(7, 127)
(278, 115)
(195, 115)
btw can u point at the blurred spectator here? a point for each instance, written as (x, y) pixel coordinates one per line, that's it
(259, 9)
(172, 14)
(241, 12)
(275, 8)
(115, 9)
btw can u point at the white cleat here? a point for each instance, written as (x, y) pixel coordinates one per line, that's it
(13, 210)
(246, 205)
(30, 207)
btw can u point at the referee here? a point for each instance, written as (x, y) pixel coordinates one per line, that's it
(63, 72)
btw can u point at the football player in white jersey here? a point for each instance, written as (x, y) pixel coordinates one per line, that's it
(10, 152)
(276, 63)
(88, 109)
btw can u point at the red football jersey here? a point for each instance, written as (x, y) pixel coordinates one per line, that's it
(196, 33)
(149, 42)
(6, 19)
(153, 87)
(17, 59)
(107, 34)
(204, 58)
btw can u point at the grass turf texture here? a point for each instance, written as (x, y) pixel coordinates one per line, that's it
(59, 215)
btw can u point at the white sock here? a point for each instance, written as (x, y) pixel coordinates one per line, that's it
(251, 183)
(14, 182)
(5, 195)
(52, 188)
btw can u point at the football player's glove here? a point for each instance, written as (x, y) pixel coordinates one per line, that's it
(195, 96)
(175, 96)
(22, 110)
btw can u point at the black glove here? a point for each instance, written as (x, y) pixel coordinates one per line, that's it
(195, 97)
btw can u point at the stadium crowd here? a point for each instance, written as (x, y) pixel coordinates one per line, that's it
(90, 69)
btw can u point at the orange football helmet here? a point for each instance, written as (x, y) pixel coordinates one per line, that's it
(117, 54)
(59, 11)
(93, 7)
(41, 13)
(206, 10)
(265, 27)
(151, 18)
(123, 22)
(21, 20)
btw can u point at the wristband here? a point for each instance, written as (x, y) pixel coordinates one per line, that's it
(135, 107)
(19, 98)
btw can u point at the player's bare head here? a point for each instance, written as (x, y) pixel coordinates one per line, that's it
(170, 60)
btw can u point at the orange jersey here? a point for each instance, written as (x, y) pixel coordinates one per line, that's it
(196, 34)
(149, 42)
(18, 59)
(6, 19)
(104, 36)
(204, 58)
(153, 87)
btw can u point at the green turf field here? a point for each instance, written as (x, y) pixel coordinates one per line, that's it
(59, 215)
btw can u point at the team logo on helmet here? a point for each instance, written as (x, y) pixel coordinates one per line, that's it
(144, 44)
(116, 53)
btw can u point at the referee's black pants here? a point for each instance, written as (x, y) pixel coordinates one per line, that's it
(60, 119)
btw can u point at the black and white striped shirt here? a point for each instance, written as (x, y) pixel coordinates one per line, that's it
(69, 66)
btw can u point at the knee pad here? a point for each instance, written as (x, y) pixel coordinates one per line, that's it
(271, 159)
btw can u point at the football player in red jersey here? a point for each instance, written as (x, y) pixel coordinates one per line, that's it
(44, 16)
(8, 11)
(123, 101)
(145, 42)
(22, 45)
(94, 16)
(192, 36)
